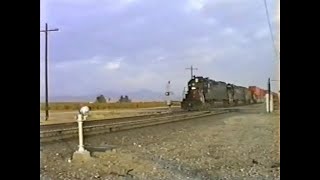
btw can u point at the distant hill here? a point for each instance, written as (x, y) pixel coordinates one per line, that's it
(141, 95)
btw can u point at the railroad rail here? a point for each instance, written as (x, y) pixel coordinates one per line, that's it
(69, 130)
(46, 127)
(72, 115)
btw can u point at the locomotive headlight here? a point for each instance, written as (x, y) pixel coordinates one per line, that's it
(193, 88)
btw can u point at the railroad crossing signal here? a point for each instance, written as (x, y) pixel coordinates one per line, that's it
(168, 93)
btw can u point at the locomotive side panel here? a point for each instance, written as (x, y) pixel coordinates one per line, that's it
(217, 91)
(248, 96)
(230, 93)
(239, 94)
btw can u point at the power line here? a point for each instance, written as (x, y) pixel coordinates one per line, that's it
(270, 28)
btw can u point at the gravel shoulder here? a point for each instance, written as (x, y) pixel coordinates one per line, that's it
(229, 146)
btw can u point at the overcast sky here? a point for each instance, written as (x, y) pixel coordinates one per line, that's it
(128, 45)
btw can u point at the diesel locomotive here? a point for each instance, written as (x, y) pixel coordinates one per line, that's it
(205, 93)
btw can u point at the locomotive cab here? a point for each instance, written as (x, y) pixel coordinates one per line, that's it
(195, 96)
(230, 93)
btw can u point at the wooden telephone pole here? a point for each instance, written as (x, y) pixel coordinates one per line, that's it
(192, 69)
(46, 31)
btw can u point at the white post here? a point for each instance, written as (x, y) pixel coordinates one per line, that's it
(80, 127)
(267, 103)
(82, 153)
(169, 104)
(271, 104)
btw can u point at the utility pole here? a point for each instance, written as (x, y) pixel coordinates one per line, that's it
(278, 43)
(191, 69)
(46, 31)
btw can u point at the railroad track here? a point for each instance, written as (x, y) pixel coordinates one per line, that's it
(66, 125)
(72, 116)
(69, 130)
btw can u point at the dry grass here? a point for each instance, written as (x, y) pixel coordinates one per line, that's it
(71, 106)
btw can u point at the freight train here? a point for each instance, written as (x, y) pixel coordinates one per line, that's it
(206, 93)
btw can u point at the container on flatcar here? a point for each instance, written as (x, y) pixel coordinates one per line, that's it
(258, 93)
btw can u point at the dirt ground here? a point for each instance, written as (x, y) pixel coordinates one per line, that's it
(231, 146)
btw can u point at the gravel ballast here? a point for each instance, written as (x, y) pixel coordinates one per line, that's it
(229, 146)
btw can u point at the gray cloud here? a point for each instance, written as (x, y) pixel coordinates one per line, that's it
(130, 45)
